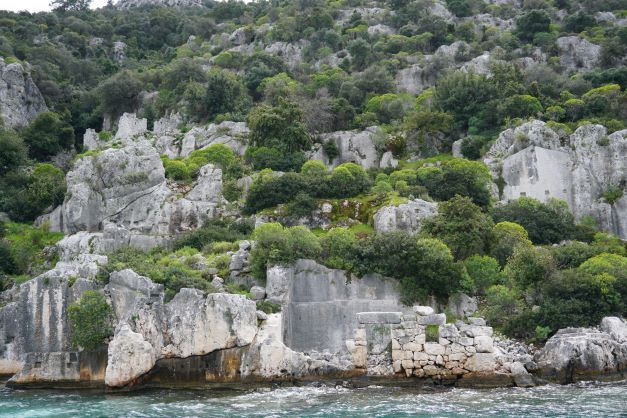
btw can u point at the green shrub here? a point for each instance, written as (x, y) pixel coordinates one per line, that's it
(546, 223)
(484, 271)
(277, 245)
(213, 231)
(462, 226)
(91, 320)
(268, 307)
(301, 205)
(505, 237)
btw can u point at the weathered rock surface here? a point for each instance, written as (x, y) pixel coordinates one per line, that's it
(575, 354)
(532, 162)
(406, 217)
(128, 4)
(314, 296)
(353, 146)
(577, 54)
(232, 134)
(123, 194)
(20, 99)
(36, 321)
(130, 356)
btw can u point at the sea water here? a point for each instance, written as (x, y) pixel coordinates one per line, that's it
(577, 400)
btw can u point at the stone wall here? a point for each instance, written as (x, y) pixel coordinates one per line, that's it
(313, 297)
(422, 344)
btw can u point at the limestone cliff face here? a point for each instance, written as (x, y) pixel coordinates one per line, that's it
(36, 319)
(20, 99)
(532, 161)
(575, 354)
(122, 197)
(128, 4)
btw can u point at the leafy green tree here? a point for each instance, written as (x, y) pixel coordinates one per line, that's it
(464, 95)
(484, 271)
(462, 226)
(338, 248)
(279, 127)
(120, 93)
(579, 298)
(225, 94)
(47, 135)
(531, 23)
(502, 304)
(578, 22)
(277, 245)
(64, 5)
(13, 151)
(529, 266)
(546, 223)
(505, 237)
(91, 320)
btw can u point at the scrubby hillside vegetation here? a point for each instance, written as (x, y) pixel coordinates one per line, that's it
(371, 136)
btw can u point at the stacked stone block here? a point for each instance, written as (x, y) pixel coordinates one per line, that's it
(422, 343)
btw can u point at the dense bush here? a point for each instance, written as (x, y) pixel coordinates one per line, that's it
(546, 223)
(215, 230)
(47, 135)
(457, 177)
(275, 244)
(91, 320)
(462, 226)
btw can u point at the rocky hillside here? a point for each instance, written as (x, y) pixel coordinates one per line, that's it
(258, 191)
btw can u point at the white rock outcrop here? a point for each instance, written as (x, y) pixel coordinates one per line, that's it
(406, 217)
(574, 354)
(192, 324)
(20, 99)
(121, 195)
(130, 356)
(531, 161)
(353, 146)
(577, 54)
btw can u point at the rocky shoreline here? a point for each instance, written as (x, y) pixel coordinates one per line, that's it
(222, 340)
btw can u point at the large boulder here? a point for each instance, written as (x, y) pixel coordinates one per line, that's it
(198, 325)
(20, 99)
(407, 217)
(232, 134)
(531, 161)
(577, 54)
(192, 324)
(123, 194)
(130, 356)
(575, 354)
(353, 146)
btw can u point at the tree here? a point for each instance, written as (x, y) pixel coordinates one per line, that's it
(64, 5)
(47, 135)
(457, 177)
(546, 223)
(225, 94)
(484, 271)
(338, 248)
(464, 95)
(13, 151)
(119, 93)
(279, 127)
(531, 23)
(529, 266)
(506, 236)
(277, 245)
(462, 226)
(91, 320)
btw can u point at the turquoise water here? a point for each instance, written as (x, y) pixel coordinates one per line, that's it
(589, 400)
